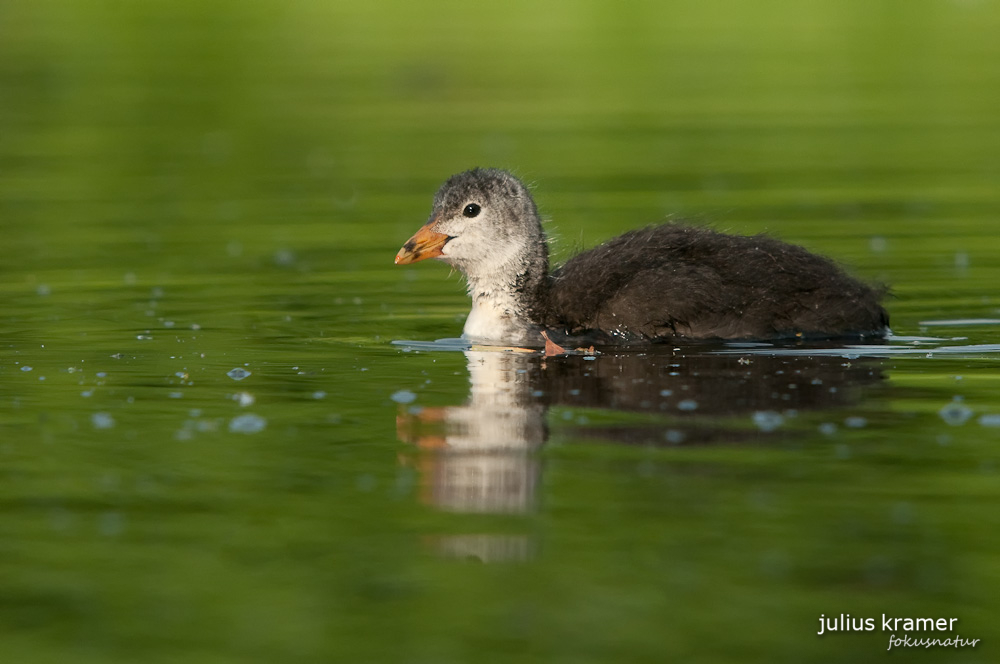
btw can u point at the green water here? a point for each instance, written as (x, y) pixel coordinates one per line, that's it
(192, 187)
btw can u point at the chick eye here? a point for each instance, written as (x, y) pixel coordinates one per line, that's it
(471, 210)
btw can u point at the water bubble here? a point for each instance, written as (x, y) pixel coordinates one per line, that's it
(855, 422)
(767, 420)
(775, 564)
(26, 368)
(244, 399)
(102, 420)
(990, 420)
(319, 394)
(404, 396)
(248, 423)
(674, 436)
(666, 393)
(238, 373)
(111, 523)
(61, 519)
(903, 513)
(828, 428)
(687, 404)
(955, 413)
(284, 257)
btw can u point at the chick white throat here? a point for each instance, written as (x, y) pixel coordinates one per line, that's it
(499, 312)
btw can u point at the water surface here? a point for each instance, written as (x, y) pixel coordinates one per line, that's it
(212, 451)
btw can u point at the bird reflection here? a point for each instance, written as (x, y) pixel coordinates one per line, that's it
(480, 457)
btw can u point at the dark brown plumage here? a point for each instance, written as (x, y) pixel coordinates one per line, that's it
(681, 281)
(663, 282)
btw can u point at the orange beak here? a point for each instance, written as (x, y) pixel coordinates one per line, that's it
(426, 243)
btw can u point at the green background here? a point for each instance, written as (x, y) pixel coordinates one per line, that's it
(188, 187)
